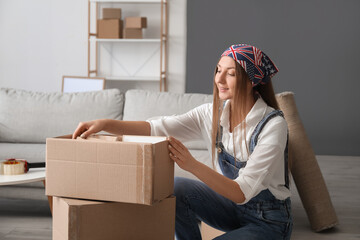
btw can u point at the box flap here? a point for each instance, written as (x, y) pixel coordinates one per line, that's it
(143, 139)
(102, 137)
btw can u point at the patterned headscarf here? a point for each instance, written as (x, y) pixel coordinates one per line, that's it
(256, 63)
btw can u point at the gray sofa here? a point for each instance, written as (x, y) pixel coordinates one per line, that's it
(28, 118)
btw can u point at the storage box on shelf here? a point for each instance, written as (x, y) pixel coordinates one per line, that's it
(133, 33)
(135, 22)
(111, 13)
(109, 28)
(134, 27)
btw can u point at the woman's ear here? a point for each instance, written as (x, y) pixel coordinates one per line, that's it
(250, 88)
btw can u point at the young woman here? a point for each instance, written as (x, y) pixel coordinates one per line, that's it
(246, 192)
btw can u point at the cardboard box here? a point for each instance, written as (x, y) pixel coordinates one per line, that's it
(135, 170)
(135, 22)
(133, 33)
(109, 28)
(111, 13)
(75, 219)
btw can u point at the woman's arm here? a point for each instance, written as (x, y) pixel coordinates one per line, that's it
(117, 127)
(217, 182)
(186, 127)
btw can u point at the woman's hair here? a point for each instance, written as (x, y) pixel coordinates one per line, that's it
(238, 104)
(267, 93)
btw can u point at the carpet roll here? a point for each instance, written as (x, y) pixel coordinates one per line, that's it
(305, 169)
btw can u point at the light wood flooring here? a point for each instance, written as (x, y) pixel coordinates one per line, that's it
(26, 219)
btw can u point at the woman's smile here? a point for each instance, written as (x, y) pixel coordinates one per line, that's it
(222, 89)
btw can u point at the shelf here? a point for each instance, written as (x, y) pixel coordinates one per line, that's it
(107, 50)
(129, 78)
(126, 1)
(123, 40)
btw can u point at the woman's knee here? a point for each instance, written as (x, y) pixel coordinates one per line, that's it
(181, 186)
(184, 187)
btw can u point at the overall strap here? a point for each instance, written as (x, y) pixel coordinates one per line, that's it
(257, 131)
(260, 126)
(219, 136)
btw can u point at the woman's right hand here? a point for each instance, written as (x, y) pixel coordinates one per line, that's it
(85, 129)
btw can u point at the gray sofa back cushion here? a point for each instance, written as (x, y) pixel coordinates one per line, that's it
(27, 116)
(141, 105)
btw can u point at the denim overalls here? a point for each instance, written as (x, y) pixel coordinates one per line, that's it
(263, 217)
(265, 200)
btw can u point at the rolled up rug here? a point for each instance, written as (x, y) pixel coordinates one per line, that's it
(305, 169)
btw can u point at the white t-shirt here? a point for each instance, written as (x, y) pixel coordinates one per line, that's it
(265, 166)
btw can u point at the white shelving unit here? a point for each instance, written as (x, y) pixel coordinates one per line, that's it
(126, 40)
(128, 1)
(158, 44)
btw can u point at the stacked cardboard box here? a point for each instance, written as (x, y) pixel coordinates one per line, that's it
(134, 27)
(111, 25)
(135, 174)
(75, 219)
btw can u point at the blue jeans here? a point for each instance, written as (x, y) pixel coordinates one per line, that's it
(263, 217)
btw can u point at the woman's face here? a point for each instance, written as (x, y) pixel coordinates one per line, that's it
(225, 78)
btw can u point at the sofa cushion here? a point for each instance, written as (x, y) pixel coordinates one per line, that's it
(31, 117)
(141, 105)
(31, 152)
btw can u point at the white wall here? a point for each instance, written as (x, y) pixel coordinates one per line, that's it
(42, 40)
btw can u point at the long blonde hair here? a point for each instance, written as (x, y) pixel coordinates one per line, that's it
(238, 104)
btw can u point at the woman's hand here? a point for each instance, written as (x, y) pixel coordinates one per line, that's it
(219, 183)
(85, 129)
(181, 155)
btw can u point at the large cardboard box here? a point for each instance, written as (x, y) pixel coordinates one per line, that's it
(135, 33)
(135, 22)
(134, 170)
(111, 13)
(109, 28)
(75, 219)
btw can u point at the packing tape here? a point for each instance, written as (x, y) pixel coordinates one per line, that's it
(144, 174)
(139, 174)
(148, 171)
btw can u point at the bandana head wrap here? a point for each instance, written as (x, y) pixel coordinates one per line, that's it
(256, 63)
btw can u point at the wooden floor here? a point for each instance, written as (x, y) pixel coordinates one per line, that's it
(342, 177)
(31, 219)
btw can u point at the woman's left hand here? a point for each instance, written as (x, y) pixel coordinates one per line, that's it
(181, 155)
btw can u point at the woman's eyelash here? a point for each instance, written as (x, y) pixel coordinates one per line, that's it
(231, 74)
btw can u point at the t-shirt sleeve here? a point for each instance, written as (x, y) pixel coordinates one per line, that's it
(266, 159)
(185, 127)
